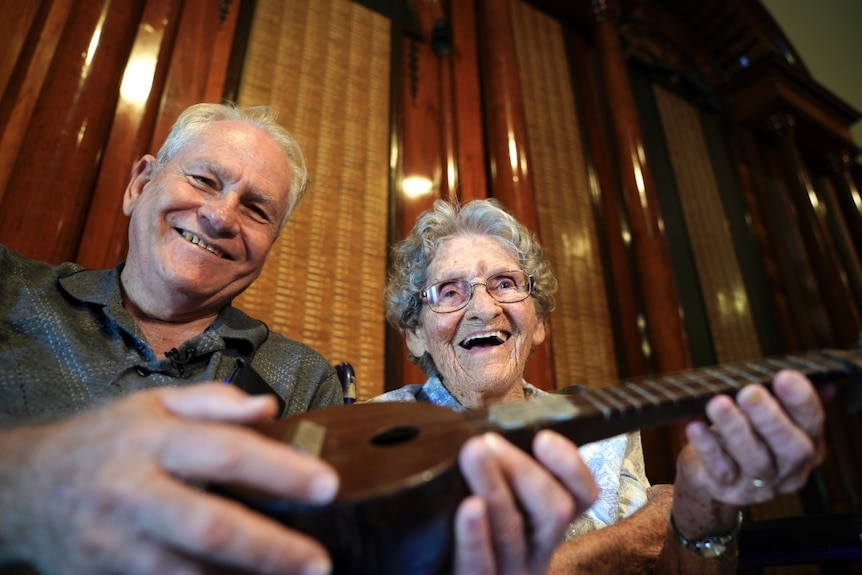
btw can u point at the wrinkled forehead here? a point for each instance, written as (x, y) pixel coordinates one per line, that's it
(458, 255)
(241, 151)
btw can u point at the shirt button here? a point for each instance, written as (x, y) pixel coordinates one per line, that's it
(142, 372)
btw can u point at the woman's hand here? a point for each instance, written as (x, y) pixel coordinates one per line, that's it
(758, 446)
(520, 507)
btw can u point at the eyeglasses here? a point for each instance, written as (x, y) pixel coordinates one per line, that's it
(504, 287)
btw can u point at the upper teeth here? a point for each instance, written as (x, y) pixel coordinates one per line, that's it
(498, 334)
(199, 242)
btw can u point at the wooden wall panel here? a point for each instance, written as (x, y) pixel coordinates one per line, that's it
(722, 287)
(325, 66)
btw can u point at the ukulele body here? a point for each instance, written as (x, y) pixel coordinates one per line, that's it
(399, 491)
(398, 462)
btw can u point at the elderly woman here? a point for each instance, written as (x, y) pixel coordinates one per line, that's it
(471, 291)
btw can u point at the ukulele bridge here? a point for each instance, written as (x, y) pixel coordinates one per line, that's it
(306, 436)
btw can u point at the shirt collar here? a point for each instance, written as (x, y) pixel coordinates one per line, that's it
(102, 288)
(435, 392)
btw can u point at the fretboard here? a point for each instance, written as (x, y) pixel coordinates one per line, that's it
(591, 414)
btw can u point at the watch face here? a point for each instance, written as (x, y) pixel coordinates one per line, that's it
(711, 546)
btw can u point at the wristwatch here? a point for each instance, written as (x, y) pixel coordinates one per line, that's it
(709, 546)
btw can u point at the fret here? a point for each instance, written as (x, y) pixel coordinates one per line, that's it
(591, 397)
(761, 368)
(719, 374)
(812, 366)
(663, 389)
(640, 390)
(615, 404)
(628, 400)
(743, 373)
(834, 365)
(697, 377)
(783, 362)
(687, 390)
(837, 364)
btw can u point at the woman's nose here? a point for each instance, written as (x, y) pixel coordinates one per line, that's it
(481, 300)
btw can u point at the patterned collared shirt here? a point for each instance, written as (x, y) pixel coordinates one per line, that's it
(67, 343)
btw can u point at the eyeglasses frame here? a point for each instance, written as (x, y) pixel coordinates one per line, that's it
(424, 293)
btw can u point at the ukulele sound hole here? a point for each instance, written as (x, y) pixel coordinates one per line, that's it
(395, 435)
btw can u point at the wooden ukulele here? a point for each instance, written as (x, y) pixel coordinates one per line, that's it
(398, 462)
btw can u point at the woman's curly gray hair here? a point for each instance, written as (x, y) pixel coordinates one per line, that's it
(195, 118)
(412, 257)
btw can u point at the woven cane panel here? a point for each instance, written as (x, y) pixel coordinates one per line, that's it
(723, 290)
(324, 64)
(582, 344)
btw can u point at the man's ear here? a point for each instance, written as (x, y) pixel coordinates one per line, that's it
(415, 343)
(142, 173)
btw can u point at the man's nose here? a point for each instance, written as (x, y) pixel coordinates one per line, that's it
(221, 214)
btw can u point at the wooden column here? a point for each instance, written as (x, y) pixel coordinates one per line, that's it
(464, 60)
(625, 307)
(795, 335)
(667, 348)
(654, 275)
(848, 196)
(51, 185)
(506, 131)
(105, 236)
(417, 136)
(837, 297)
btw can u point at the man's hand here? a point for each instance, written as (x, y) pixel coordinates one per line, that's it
(111, 491)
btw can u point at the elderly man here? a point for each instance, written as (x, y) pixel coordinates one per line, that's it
(103, 437)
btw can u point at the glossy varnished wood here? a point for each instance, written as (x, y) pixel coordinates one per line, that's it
(832, 280)
(847, 192)
(59, 156)
(469, 141)
(613, 219)
(652, 261)
(507, 148)
(105, 238)
(420, 144)
(762, 225)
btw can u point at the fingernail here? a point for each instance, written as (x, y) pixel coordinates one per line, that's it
(257, 401)
(493, 441)
(317, 567)
(751, 396)
(322, 488)
(547, 442)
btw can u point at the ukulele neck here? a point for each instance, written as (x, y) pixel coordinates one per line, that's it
(591, 414)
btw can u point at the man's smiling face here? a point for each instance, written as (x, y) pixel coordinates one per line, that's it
(482, 349)
(202, 225)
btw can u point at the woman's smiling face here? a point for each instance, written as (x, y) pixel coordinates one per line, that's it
(481, 350)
